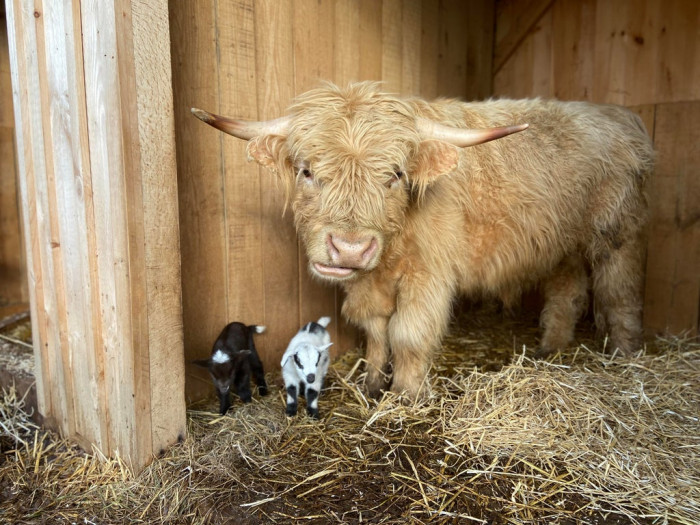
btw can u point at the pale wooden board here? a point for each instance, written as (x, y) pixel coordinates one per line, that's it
(430, 38)
(275, 89)
(13, 286)
(528, 72)
(22, 38)
(573, 43)
(515, 20)
(315, 44)
(162, 404)
(235, 26)
(625, 52)
(392, 45)
(371, 55)
(201, 183)
(673, 255)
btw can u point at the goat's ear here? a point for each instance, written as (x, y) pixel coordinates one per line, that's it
(245, 352)
(326, 347)
(434, 158)
(286, 357)
(204, 363)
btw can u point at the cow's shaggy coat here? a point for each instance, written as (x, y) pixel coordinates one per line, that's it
(405, 221)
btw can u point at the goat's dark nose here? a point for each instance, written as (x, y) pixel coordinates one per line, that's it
(311, 378)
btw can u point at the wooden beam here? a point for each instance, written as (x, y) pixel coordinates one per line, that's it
(514, 21)
(95, 130)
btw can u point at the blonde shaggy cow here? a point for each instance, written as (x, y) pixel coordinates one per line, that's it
(401, 203)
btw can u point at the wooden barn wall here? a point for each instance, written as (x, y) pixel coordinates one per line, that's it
(247, 58)
(644, 54)
(13, 279)
(95, 140)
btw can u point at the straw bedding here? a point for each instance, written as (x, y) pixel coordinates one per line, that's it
(581, 438)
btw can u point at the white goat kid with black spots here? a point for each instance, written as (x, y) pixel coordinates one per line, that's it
(304, 365)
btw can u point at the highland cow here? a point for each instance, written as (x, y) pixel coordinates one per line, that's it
(407, 204)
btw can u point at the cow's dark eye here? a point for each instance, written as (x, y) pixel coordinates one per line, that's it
(305, 172)
(396, 176)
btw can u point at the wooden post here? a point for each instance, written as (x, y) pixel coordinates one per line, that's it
(96, 158)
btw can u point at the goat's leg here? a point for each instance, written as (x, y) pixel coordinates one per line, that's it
(292, 401)
(312, 401)
(566, 298)
(258, 372)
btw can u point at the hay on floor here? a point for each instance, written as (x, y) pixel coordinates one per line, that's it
(584, 437)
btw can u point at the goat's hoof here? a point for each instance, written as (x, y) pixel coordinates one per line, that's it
(262, 390)
(313, 413)
(291, 410)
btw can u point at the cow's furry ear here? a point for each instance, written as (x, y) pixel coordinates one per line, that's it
(270, 151)
(435, 158)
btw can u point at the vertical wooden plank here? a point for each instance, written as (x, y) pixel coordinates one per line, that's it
(479, 54)
(672, 295)
(71, 252)
(22, 37)
(573, 42)
(430, 36)
(275, 88)
(515, 21)
(235, 23)
(161, 407)
(392, 45)
(452, 72)
(410, 46)
(13, 287)
(201, 183)
(371, 22)
(315, 40)
(528, 71)
(348, 41)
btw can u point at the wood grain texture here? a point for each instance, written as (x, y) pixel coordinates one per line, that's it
(13, 276)
(673, 254)
(257, 57)
(98, 183)
(627, 52)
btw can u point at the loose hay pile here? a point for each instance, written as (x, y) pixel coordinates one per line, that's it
(584, 438)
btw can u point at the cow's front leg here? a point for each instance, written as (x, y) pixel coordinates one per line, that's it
(377, 355)
(415, 331)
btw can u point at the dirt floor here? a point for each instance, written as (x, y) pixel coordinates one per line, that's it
(500, 438)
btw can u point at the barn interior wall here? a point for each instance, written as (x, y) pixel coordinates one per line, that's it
(246, 58)
(13, 282)
(640, 54)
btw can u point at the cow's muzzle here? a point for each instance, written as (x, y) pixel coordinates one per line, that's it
(347, 253)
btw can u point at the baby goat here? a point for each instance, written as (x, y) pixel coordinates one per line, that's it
(232, 360)
(304, 365)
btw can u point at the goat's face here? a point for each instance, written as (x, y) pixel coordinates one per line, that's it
(307, 359)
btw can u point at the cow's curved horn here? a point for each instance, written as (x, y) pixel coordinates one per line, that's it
(243, 129)
(464, 137)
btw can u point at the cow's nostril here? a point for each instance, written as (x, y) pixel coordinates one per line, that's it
(351, 251)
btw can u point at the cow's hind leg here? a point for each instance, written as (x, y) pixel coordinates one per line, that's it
(617, 292)
(566, 298)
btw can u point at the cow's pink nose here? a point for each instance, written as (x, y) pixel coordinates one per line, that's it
(351, 251)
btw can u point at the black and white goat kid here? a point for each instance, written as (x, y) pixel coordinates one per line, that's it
(304, 365)
(233, 359)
